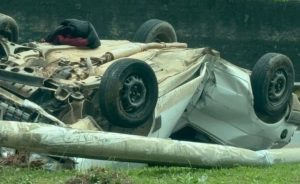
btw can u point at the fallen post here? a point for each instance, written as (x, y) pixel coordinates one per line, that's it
(50, 139)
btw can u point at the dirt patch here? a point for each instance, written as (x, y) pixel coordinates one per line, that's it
(101, 176)
(19, 160)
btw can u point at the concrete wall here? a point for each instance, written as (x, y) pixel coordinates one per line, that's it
(242, 30)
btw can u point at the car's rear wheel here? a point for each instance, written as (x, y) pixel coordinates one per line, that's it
(155, 30)
(9, 28)
(128, 92)
(272, 81)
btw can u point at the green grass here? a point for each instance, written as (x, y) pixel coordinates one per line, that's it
(285, 173)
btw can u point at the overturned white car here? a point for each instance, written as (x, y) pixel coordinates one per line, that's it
(152, 89)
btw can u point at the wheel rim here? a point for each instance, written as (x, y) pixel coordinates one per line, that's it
(277, 86)
(133, 94)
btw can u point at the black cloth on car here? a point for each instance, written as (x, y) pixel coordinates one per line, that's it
(74, 32)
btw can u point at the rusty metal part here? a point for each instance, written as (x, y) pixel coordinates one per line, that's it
(30, 105)
(107, 57)
(33, 106)
(20, 89)
(21, 78)
(134, 48)
(11, 113)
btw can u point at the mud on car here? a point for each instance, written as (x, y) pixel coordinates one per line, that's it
(151, 86)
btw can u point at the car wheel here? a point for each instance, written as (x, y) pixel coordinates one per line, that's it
(155, 30)
(128, 92)
(272, 81)
(9, 28)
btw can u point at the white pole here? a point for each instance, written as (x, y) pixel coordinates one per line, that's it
(50, 139)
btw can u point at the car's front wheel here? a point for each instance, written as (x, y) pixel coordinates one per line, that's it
(128, 92)
(272, 81)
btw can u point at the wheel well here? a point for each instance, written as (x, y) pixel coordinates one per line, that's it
(188, 133)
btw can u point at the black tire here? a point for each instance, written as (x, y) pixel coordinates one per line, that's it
(155, 30)
(272, 81)
(128, 93)
(9, 28)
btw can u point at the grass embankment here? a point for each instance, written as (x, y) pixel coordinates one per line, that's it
(276, 174)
